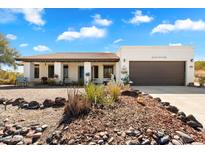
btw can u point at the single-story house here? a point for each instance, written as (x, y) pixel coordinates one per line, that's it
(145, 65)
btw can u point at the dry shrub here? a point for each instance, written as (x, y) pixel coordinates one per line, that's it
(113, 89)
(76, 105)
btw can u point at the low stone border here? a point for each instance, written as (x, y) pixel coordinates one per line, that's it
(33, 105)
(189, 120)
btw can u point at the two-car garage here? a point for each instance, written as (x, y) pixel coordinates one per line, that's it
(157, 73)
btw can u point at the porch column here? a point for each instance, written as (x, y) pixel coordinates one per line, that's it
(29, 70)
(117, 71)
(87, 72)
(58, 70)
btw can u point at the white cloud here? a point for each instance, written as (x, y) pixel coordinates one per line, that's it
(102, 22)
(23, 45)
(118, 40)
(11, 36)
(32, 15)
(175, 44)
(85, 32)
(41, 48)
(180, 25)
(140, 18)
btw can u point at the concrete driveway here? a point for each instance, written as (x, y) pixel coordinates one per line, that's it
(190, 100)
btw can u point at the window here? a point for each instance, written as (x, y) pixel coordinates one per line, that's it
(50, 71)
(36, 71)
(107, 71)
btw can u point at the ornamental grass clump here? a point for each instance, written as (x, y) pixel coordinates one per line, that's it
(76, 105)
(114, 89)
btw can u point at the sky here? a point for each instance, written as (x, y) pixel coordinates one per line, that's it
(43, 31)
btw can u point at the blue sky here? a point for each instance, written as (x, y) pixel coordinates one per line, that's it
(42, 31)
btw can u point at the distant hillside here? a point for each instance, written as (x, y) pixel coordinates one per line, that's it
(200, 65)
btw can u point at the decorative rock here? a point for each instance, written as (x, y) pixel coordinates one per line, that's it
(181, 114)
(164, 140)
(27, 141)
(71, 142)
(44, 126)
(176, 137)
(129, 93)
(39, 129)
(18, 102)
(160, 134)
(6, 120)
(17, 126)
(186, 138)
(123, 134)
(102, 134)
(171, 108)
(59, 102)
(132, 142)
(110, 140)
(100, 142)
(92, 143)
(2, 100)
(37, 135)
(16, 139)
(48, 103)
(176, 142)
(105, 138)
(145, 142)
(192, 118)
(165, 103)
(194, 124)
(119, 133)
(33, 105)
(7, 139)
(20, 143)
(157, 99)
(24, 131)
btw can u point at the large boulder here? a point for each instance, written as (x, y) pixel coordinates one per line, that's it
(185, 137)
(48, 103)
(59, 102)
(33, 105)
(129, 93)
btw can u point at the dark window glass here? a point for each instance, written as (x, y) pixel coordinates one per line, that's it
(51, 71)
(81, 72)
(36, 71)
(95, 71)
(107, 71)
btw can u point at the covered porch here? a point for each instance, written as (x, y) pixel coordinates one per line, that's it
(71, 72)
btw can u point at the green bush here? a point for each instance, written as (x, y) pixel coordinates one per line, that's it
(95, 93)
(200, 65)
(100, 94)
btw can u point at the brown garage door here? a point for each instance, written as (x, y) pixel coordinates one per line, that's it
(150, 73)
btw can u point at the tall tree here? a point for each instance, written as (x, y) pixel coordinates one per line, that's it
(7, 54)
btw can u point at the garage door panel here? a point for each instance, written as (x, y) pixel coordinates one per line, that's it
(157, 72)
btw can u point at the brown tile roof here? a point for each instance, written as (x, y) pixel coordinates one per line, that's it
(72, 56)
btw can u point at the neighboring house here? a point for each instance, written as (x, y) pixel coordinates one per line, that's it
(145, 65)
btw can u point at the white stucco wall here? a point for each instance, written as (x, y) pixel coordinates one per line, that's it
(29, 70)
(158, 53)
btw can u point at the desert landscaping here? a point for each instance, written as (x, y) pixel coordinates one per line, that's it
(100, 115)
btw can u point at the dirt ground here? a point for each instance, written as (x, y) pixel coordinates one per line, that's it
(31, 94)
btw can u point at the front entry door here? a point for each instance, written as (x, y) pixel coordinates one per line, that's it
(65, 72)
(81, 73)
